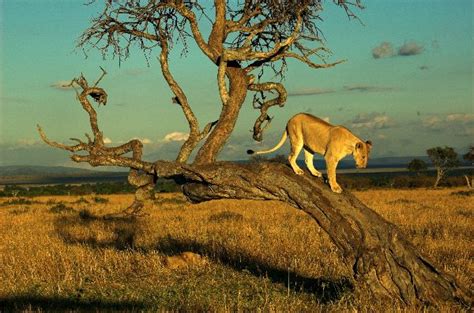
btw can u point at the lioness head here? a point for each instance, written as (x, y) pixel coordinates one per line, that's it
(361, 153)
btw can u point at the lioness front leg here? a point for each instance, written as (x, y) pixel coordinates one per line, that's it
(296, 146)
(331, 165)
(308, 159)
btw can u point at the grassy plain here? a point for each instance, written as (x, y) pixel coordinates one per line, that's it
(58, 253)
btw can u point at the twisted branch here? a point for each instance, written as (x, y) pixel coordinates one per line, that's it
(142, 173)
(264, 120)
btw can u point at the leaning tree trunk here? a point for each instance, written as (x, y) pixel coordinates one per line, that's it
(380, 256)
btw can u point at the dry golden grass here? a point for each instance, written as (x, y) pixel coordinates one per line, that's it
(57, 253)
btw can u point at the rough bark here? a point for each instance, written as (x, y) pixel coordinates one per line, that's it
(238, 82)
(382, 259)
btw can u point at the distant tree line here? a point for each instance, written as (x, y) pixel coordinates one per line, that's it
(82, 189)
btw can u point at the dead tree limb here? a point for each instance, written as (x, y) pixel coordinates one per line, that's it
(141, 175)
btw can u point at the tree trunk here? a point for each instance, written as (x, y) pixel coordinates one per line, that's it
(381, 258)
(439, 176)
(229, 114)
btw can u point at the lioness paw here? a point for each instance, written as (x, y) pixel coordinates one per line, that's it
(336, 189)
(316, 173)
(299, 171)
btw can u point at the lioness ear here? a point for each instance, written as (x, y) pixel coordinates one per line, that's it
(369, 145)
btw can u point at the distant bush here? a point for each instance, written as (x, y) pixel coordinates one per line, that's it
(84, 189)
(20, 210)
(19, 201)
(81, 200)
(61, 208)
(86, 215)
(100, 200)
(395, 180)
(464, 193)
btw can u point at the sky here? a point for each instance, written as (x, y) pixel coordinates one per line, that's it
(407, 84)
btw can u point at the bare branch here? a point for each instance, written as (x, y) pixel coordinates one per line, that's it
(221, 81)
(263, 120)
(142, 173)
(101, 76)
(180, 98)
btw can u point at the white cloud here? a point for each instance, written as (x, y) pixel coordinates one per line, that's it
(460, 124)
(463, 118)
(372, 121)
(176, 136)
(433, 122)
(384, 50)
(410, 48)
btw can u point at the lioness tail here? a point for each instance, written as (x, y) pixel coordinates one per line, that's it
(282, 141)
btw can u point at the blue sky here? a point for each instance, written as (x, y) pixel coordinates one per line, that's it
(413, 92)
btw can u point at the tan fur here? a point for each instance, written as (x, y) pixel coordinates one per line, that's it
(184, 260)
(315, 135)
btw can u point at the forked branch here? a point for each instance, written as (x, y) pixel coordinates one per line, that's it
(142, 173)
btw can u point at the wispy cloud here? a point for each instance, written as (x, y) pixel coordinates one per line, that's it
(384, 50)
(367, 88)
(354, 87)
(310, 92)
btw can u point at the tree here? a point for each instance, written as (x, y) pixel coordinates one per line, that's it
(247, 39)
(469, 156)
(417, 165)
(443, 159)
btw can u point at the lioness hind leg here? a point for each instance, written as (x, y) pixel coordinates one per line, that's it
(331, 165)
(296, 146)
(308, 159)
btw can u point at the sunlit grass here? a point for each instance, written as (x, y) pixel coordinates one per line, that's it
(61, 253)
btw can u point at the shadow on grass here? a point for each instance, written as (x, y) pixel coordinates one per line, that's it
(60, 304)
(124, 232)
(326, 289)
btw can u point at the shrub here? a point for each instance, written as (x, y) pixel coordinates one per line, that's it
(61, 208)
(81, 200)
(100, 200)
(22, 201)
(86, 215)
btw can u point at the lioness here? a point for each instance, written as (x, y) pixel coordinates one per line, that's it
(315, 135)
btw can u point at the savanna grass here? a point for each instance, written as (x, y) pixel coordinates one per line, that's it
(259, 255)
